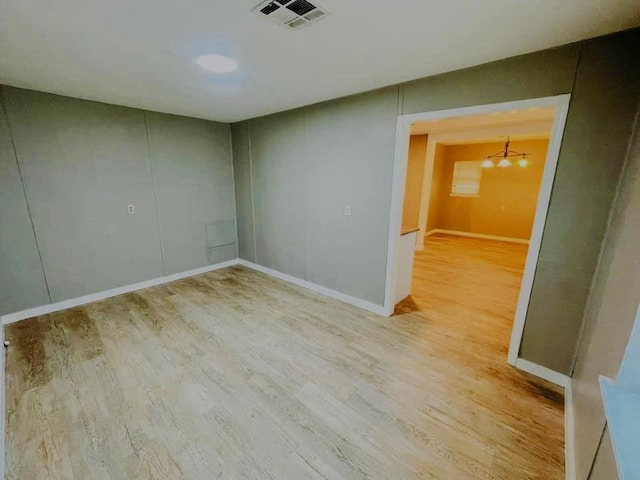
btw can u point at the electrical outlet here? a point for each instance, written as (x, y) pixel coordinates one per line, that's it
(131, 209)
(347, 210)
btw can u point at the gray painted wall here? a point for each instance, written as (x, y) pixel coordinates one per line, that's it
(597, 132)
(349, 144)
(601, 74)
(305, 166)
(22, 282)
(82, 163)
(244, 196)
(279, 191)
(609, 316)
(193, 178)
(604, 464)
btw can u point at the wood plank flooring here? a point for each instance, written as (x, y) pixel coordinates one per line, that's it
(235, 375)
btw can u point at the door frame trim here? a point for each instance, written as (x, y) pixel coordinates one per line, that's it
(403, 132)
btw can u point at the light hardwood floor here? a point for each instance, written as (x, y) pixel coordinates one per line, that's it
(235, 375)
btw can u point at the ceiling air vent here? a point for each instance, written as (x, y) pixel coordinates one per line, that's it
(292, 14)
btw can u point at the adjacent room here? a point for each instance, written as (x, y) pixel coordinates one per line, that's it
(470, 202)
(303, 239)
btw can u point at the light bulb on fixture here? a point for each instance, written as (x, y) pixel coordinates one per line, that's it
(505, 162)
(486, 163)
(523, 162)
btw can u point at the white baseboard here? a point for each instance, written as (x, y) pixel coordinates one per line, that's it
(94, 297)
(543, 372)
(364, 304)
(569, 446)
(478, 235)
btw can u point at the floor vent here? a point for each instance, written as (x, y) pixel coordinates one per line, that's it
(292, 14)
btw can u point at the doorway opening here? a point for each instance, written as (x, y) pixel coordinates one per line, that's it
(471, 190)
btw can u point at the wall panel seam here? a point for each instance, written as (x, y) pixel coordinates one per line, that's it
(155, 191)
(24, 192)
(593, 460)
(235, 202)
(253, 202)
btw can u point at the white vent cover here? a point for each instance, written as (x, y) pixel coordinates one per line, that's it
(291, 14)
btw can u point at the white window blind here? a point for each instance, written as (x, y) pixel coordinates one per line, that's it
(466, 178)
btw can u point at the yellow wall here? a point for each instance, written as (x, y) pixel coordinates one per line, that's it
(436, 188)
(415, 176)
(508, 196)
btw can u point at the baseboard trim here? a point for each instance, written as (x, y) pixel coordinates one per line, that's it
(357, 302)
(569, 446)
(478, 235)
(543, 372)
(94, 297)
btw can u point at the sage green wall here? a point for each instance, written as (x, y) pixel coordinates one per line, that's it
(22, 281)
(307, 165)
(82, 163)
(349, 143)
(598, 127)
(610, 314)
(604, 463)
(244, 196)
(193, 178)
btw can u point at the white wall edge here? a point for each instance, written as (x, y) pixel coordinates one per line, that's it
(479, 235)
(569, 445)
(94, 297)
(543, 372)
(357, 302)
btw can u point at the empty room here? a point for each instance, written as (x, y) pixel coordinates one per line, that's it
(303, 239)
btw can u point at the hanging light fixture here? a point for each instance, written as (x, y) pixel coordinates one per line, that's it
(505, 156)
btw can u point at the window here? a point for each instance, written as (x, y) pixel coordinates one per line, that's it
(466, 179)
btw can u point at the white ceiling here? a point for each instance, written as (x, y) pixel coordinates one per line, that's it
(141, 53)
(526, 124)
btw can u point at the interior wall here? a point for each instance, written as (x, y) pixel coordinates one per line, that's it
(606, 76)
(192, 175)
(604, 463)
(82, 163)
(22, 280)
(507, 202)
(433, 215)
(415, 177)
(596, 135)
(610, 314)
(307, 165)
(244, 190)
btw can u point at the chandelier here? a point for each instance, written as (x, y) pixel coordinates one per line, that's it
(505, 157)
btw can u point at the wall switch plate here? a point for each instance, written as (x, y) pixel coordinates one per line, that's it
(131, 209)
(347, 210)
